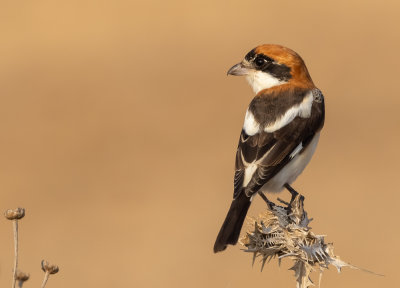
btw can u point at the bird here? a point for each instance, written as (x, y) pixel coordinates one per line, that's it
(280, 133)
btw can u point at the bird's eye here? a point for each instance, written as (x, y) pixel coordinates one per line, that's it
(259, 61)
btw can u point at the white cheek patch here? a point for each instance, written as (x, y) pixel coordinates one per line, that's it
(250, 126)
(259, 80)
(302, 110)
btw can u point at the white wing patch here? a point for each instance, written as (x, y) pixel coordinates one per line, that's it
(248, 173)
(250, 168)
(250, 126)
(302, 110)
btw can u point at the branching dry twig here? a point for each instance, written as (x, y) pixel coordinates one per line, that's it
(283, 231)
(15, 215)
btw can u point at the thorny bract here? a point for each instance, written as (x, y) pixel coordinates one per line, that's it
(283, 231)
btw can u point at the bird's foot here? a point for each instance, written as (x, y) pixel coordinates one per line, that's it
(292, 203)
(293, 192)
(270, 204)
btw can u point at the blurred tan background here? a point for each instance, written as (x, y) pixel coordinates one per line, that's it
(116, 137)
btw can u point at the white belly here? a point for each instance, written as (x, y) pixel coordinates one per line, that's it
(293, 169)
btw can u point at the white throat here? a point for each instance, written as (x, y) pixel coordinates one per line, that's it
(259, 80)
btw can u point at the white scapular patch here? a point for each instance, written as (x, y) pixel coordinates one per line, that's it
(302, 110)
(250, 126)
(259, 80)
(296, 151)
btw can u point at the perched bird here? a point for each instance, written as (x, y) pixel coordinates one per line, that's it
(280, 130)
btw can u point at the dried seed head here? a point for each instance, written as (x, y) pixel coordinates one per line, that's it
(47, 267)
(21, 276)
(283, 231)
(14, 214)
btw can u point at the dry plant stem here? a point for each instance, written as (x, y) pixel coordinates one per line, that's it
(46, 277)
(15, 224)
(20, 283)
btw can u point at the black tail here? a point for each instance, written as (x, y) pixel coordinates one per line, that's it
(230, 230)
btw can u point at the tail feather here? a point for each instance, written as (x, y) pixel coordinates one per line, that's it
(230, 230)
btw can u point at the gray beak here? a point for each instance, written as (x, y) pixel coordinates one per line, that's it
(238, 70)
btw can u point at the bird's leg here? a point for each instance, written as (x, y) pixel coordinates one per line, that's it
(269, 203)
(292, 191)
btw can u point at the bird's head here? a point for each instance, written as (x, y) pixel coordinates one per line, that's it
(271, 65)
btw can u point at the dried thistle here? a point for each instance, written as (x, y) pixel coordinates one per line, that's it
(21, 278)
(15, 215)
(48, 269)
(283, 231)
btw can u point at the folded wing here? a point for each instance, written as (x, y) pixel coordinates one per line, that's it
(261, 155)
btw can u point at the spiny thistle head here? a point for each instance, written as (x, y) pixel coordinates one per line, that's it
(14, 214)
(283, 231)
(49, 268)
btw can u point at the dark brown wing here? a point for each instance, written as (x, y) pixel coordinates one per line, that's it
(273, 150)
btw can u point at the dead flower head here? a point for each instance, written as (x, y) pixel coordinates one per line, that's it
(14, 214)
(49, 268)
(21, 276)
(284, 232)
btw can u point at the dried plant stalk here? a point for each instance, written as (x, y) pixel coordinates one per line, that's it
(46, 277)
(48, 269)
(14, 215)
(15, 224)
(283, 231)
